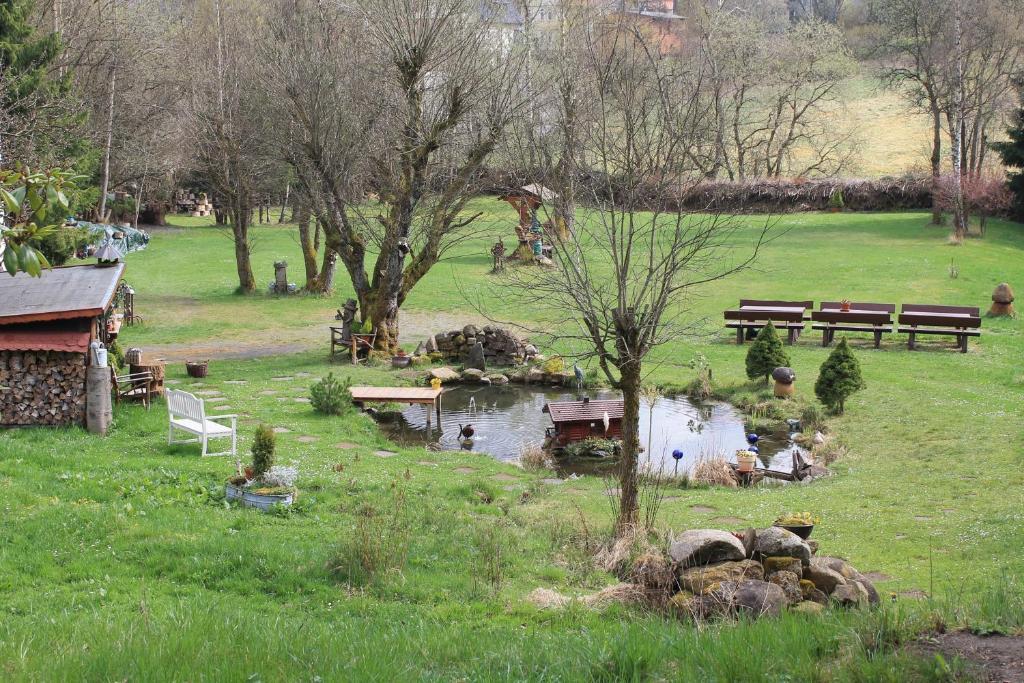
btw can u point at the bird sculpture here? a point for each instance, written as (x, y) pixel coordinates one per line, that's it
(606, 420)
(578, 372)
(466, 432)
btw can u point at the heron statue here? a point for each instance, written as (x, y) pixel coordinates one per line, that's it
(578, 372)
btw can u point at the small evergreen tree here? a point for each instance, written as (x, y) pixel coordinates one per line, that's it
(263, 445)
(839, 377)
(1012, 152)
(766, 353)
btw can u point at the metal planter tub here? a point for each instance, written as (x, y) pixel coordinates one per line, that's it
(261, 501)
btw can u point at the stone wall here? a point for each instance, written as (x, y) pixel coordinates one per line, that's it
(42, 388)
(500, 346)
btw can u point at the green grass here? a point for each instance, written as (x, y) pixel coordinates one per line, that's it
(120, 560)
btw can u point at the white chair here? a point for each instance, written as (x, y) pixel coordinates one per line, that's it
(188, 414)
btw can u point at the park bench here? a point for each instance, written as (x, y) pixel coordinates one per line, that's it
(187, 413)
(753, 314)
(955, 321)
(861, 317)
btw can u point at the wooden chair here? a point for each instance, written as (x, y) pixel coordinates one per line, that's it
(135, 386)
(187, 413)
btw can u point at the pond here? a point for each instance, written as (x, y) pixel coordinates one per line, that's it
(507, 419)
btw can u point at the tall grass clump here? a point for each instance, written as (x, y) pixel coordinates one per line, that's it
(378, 545)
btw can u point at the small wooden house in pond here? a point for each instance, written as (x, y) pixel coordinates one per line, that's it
(574, 421)
(46, 325)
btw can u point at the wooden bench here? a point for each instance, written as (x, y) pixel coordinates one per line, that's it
(954, 321)
(753, 314)
(862, 317)
(354, 344)
(187, 413)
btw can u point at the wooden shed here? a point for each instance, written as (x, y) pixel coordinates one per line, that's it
(574, 421)
(46, 326)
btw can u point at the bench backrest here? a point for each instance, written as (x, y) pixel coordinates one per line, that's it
(771, 302)
(184, 404)
(932, 308)
(858, 305)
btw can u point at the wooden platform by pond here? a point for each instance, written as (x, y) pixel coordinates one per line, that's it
(411, 395)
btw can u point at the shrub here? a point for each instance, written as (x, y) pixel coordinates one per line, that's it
(329, 396)
(534, 458)
(839, 377)
(715, 472)
(812, 418)
(115, 356)
(766, 353)
(61, 244)
(263, 445)
(835, 200)
(700, 387)
(553, 365)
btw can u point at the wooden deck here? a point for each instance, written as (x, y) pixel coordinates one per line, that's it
(411, 395)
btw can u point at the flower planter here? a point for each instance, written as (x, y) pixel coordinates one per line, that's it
(261, 501)
(745, 463)
(401, 361)
(197, 368)
(801, 530)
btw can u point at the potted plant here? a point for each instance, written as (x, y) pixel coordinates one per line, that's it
(400, 359)
(844, 305)
(263, 484)
(800, 523)
(745, 461)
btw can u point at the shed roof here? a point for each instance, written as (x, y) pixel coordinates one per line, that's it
(584, 411)
(58, 294)
(45, 338)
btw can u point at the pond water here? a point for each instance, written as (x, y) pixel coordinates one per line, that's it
(507, 419)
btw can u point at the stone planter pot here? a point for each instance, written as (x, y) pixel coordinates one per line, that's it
(257, 500)
(801, 530)
(401, 361)
(745, 463)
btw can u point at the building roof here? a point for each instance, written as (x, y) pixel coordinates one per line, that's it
(58, 294)
(44, 338)
(584, 411)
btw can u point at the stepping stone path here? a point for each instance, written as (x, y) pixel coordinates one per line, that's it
(672, 499)
(196, 384)
(301, 399)
(553, 481)
(900, 537)
(465, 470)
(235, 381)
(303, 374)
(501, 476)
(282, 379)
(702, 508)
(306, 439)
(282, 430)
(172, 382)
(216, 399)
(208, 392)
(268, 392)
(223, 407)
(282, 398)
(385, 454)
(729, 521)
(611, 492)
(922, 518)
(345, 445)
(427, 463)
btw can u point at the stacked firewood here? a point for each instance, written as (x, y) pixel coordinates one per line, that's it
(42, 388)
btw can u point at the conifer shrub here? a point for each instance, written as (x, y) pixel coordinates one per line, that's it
(329, 396)
(839, 377)
(263, 444)
(766, 353)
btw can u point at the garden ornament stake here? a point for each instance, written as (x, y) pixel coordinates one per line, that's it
(677, 455)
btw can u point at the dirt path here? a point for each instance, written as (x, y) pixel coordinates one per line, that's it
(415, 327)
(998, 658)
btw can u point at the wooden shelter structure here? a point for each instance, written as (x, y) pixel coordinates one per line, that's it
(573, 421)
(526, 200)
(46, 326)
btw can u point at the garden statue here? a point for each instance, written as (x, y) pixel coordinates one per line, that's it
(1002, 301)
(784, 379)
(752, 440)
(498, 254)
(347, 314)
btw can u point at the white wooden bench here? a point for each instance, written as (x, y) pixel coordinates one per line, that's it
(188, 414)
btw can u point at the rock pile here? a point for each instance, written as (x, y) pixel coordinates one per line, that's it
(486, 346)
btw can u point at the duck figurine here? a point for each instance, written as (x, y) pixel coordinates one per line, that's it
(466, 432)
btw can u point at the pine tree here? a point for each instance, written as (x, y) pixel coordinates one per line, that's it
(24, 56)
(263, 445)
(1012, 152)
(839, 377)
(766, 353)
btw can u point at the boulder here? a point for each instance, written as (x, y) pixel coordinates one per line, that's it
(475, 359)
(850, 595)
(808, 607)
(777, 542)
(782, 564)
(474, 375)
(470, 331)
(823, 578)
(444, 374)
(759, 598)
(653, 570)
(790, 585)
(838, 565)
(534, 375)
(564, 378)
(421, 349)
(701, 580)
(498, 379)
(698, 547)
(530, 350)
(431, 345)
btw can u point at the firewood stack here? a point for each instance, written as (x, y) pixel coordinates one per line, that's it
(203, 206)
(42, 388)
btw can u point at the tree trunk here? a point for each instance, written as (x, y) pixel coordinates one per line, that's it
(629, 505)
(936, 161)
(325, 283)
(105, 173)
(284, 204)
(240, 229)
(308, 251)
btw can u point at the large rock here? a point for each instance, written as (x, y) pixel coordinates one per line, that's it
(704, 579)
(534, 375)
(498, 379)
(782, 564)
(808, 607)
(431, 345)
(698, 547)
(824, 579)
(444, 374)
(790, 585)
(759, 599)
(850, 595)
(778, 542)
(470, 331)
(475, 360)
(848, 572)
(474, 375)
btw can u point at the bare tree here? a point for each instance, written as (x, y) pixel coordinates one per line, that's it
(623, 280)
(410, 110)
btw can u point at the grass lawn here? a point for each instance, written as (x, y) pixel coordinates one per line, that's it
(121, 561)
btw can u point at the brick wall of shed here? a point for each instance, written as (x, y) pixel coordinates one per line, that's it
(42, 388)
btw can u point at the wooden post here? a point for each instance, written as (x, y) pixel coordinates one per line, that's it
(98, 413)
(437, 404)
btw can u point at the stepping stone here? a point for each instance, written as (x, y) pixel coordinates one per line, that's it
(282, 398)
(172, 382)
(465, 470)
(282, 379)
(921, 518)
(306, 439)
(501, 476)
(223, 407)
(268, 392)
(282, 430)
(196, 384)
(216, 399)
(948, 511)
(877, 577)
(385, 454)
(345, 445)
(235, 381)
(900, 537)
(731, 521)
(702, 508)
(208, 392)
(301, 399)
(303, 374)
(427, 463)
(672, 499)
(913, 595)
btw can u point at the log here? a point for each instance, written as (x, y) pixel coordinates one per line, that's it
(42, 388)
(98, 410)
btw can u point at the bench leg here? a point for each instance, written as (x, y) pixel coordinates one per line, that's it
(878, 339)
(910, 340)
(791, 336)
(963, 343)
(739, 335)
